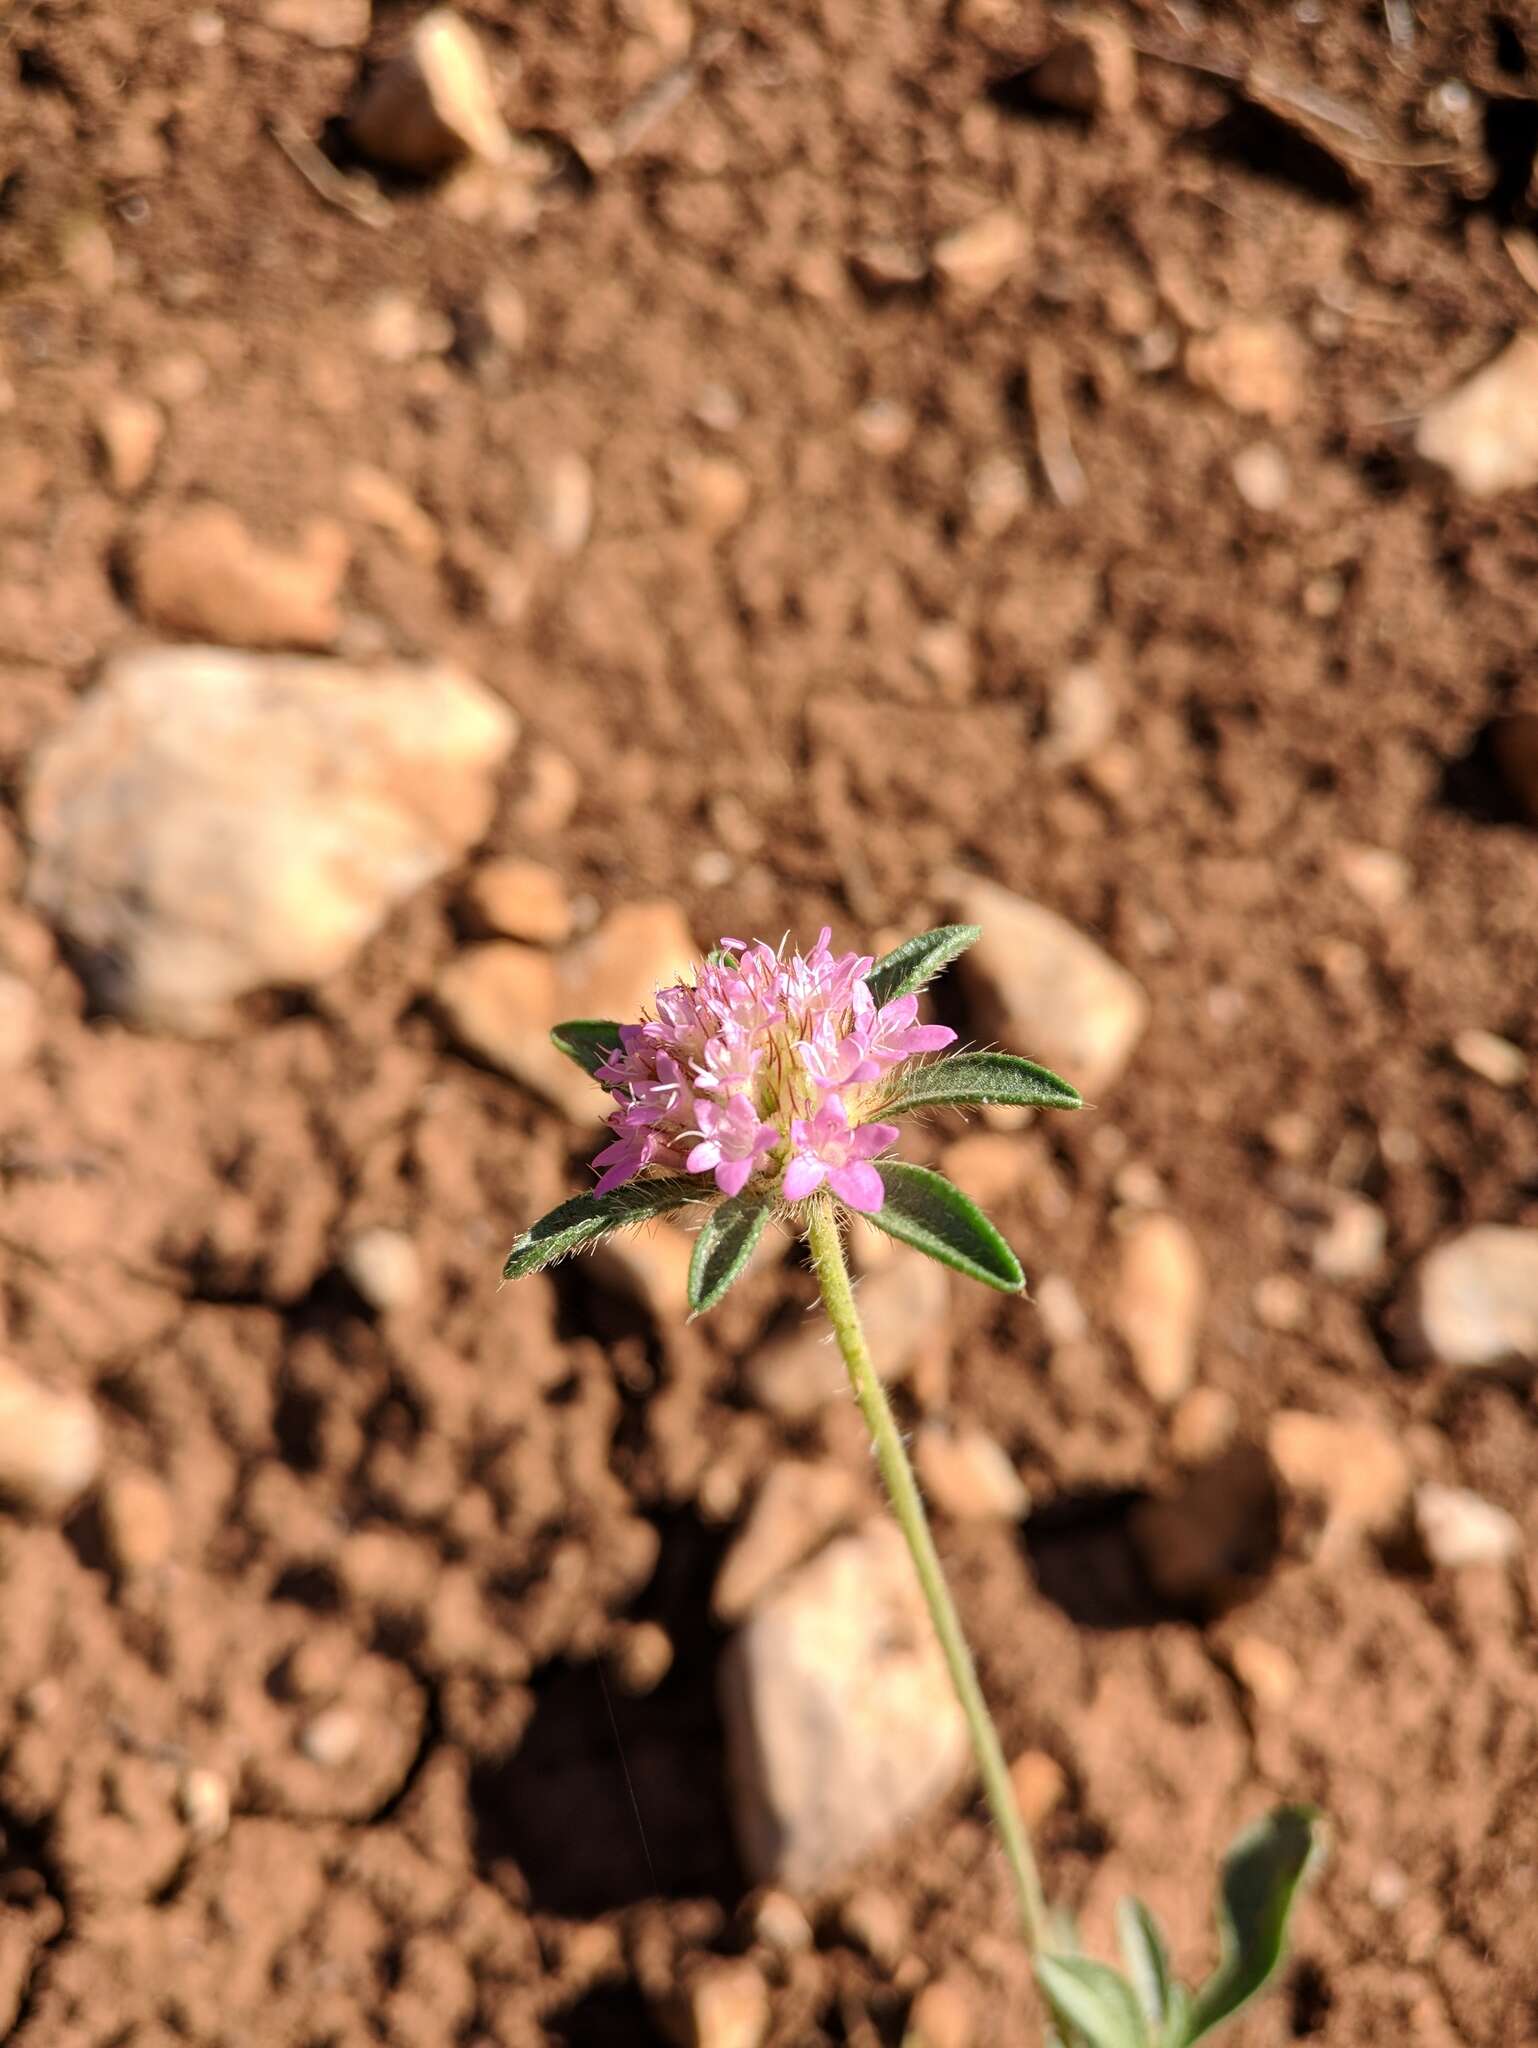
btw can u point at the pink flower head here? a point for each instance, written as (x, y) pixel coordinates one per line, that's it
(826, 1149)
(763, 1066)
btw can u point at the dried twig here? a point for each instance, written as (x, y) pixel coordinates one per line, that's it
(355, 195)
(1345, 131)
(1049, 415)
(601, 146)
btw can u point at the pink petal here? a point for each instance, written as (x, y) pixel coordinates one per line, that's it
(732, 1175)
(704, 1156)
(803, 1177)
(928, 1038)
(859, 1185)
(870, 1139)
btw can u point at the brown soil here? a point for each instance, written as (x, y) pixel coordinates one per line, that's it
(448, 1520)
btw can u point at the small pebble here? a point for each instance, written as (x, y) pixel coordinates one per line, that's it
(1280, 1302)
(974, 260)
(780, 1924)
(1493, 1059)
(332, 1738)
(1381, 879)
(643, 1657)
(1091, 70)
(726, 2006)
(1202, 1426)
(138, 1522)
(561, 504)
(1261, 476)
(385, 1267)
(1484, 433)
(998, 491)
(1040, 1784)
(1475, 1299)
(203, 1799)
(1253, 366)
(1061, 1312)
(50, 1444)
(1081, 716)
(941, 2016)
(130, 430)
(1359, 1472)
(883, 426)
(1159, 1302)
(874, 1921)
(519, 899)
(20, 1022)
(968, 1476)
(1352, 1246)
(434, 103)
(1265, 1670)
(1458, 1528)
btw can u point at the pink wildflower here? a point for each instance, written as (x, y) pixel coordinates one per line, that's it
(826, 1149)
(763, 1064)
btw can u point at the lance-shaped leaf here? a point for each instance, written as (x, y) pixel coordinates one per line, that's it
(587, 1040)
(727, 1240)
(1147, 1960)
(915, 963)
(1093, 2004)
(971, 1077)
(573, 1225)
(1263, 1872)
(929, 1212)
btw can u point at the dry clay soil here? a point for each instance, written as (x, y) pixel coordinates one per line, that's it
(450, 1519)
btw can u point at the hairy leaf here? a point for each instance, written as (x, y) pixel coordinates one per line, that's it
(573, 1225)
(1092, 2003)
(915, 963)
(1146, 1957)
(587, 1040)
(929, 1212)
(963, 1077)
(727, 1241)
(1263, 1872)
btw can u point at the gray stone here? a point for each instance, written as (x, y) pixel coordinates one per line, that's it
(841, 1724)
(211, 823)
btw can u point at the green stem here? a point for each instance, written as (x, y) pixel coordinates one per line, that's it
(907, 1504)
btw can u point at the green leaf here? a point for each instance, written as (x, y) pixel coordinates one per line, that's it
(1146, 1957)
(724, 1246)
(925, 1210)
(963, 1077)
(587, 1040)
(912, 965)
(585, 1218)
(1091, 2002)
(1263, 1872)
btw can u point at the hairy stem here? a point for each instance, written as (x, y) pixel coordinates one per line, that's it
(908, 1506)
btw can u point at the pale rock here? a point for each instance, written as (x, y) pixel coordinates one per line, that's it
(203, 1800)
(514, 898)
(1262, 477)
(650, 1267)
(1265, 1670)
(1514, 741)
(884, 426)
(1040, 987)
(1202, 1426)
(1357, 1472)
(1137, 1185)
(875, 1922)
(1253, 366)
(138, 1522)
(1202, 1546)
(1475, 1299)
(1352, 1244)
(177, 378)
(726, 2005)
(968, 1476)
(998, 491)
(976, 259)
(1081, 716)
(716, 492)
(986, 1165)
(210, 823)
(1457, 1528)
(550, 797)
(203, 574)
(502, 1000)
(561, 503)
(1485, 433)
(942, 650)
(884, 263)
(1493, 1059)
(1280, 1301)
(904, 1307)
(332, 1738)
(1291, 1134)
(1161, 1293)
(20, 1022)
(1379, 878)
(398, 329)
(50, 1444)
(1061, 1311)
(642, 1657)
(434, 103)
(506, 314)
(328, 24)
(379, 501)
(385, 1267)
(780, 1924)
(130, 430)
(797, 1507)
(841, 1724)
(87, 255)
(1092, 69)
(942, 2016)
(1040, 1785)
